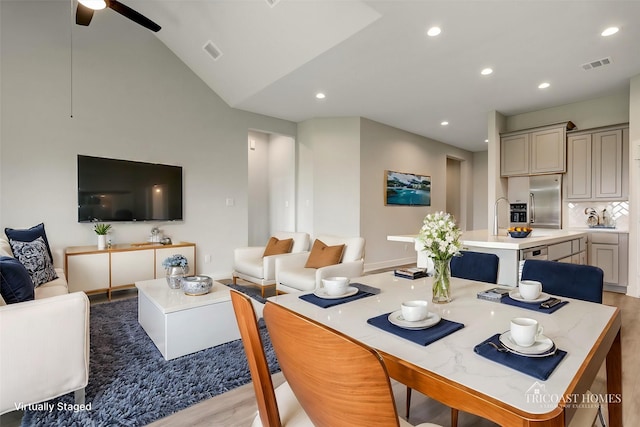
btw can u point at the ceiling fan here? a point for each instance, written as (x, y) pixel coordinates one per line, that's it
(85, 10)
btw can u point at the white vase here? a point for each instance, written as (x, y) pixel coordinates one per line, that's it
(102, 241)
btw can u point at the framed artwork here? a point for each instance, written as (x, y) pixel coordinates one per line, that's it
(406, 189)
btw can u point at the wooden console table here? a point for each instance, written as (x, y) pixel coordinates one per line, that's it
(91, 270)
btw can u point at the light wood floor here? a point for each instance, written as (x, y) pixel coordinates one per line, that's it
(237, 407)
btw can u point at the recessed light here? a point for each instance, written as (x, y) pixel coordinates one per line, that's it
(434, 31)
(486, 141)
(486, 71)
(609, 31)
(320, 95)
(444, 123)
(543, 85)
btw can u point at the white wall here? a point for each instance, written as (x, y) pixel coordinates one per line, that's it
(258, 197)
(132, 99)
(282, 183)
(387, 148)
(480, 190)
(607, 110)
(329, 176)
(634, 188)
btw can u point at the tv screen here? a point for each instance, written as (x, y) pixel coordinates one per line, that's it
(123, 190)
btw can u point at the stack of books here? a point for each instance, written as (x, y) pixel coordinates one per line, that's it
(410, 273)
(493, 294)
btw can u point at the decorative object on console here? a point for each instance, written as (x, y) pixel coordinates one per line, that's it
(407, 189)
(441, 239)
(176, 267)
(102, 230)
(196, 285)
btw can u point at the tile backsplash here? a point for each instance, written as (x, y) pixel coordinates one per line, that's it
(574, 216)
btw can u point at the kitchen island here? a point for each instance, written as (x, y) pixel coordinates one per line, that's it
(554, 245)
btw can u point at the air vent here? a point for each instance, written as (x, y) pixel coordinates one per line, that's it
(212, 50)
(272, 3)
(596, 64)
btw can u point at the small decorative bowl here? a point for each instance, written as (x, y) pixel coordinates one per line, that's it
(196, 285)
(519, 234)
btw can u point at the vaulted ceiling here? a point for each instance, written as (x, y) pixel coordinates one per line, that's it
(374, 59)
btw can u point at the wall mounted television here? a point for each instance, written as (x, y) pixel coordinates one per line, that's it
(122, 190)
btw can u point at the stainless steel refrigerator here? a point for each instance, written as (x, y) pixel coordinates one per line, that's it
(543, 196)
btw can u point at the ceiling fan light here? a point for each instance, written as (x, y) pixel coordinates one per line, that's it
(94, 4)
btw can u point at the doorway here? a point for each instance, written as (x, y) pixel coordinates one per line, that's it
(271, 196)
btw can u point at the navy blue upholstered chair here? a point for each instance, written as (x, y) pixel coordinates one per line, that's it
(584, 282)
(472, 266)
(475, 266)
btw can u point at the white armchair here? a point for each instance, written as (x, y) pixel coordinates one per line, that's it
(293, 276)
(250, 265)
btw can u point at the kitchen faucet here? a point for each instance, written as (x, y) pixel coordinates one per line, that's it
(495, 215)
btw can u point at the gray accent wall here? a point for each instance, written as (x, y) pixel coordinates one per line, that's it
(131, 98)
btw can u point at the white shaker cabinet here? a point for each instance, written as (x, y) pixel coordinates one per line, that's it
(609, 251)
(597, 165)
(534, 151)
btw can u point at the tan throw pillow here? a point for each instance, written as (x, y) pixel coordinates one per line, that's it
(322, 255)
(277, 247)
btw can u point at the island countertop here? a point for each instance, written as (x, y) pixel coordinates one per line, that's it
(484, 238)
(538, 237)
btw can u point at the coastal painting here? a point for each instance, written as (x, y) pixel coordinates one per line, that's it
(407, 189)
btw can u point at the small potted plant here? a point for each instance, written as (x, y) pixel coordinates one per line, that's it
(176, 267)
(101, 230)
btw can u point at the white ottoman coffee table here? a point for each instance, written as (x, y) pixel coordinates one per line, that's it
(180, 324)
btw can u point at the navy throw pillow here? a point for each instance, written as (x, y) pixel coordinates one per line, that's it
(29, 235)
(15, 282)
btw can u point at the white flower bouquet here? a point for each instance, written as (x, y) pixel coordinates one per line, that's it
(440, 236)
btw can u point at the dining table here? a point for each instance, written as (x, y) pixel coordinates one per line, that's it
(457, 369)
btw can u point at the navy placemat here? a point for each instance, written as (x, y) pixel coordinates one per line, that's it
(537, 367)
(363, 292)
(420, 336)
(533, 306)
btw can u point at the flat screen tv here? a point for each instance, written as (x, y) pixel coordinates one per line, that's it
(123, 190)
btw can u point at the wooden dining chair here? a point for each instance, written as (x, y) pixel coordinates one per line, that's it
(337, 380)
(478, 266)
(277, 407)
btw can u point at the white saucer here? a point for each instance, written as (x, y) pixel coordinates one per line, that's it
(515, 294)
(322, 293)
(397, 319)
(542, 345)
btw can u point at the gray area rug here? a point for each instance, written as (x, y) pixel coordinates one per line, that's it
(130, 383)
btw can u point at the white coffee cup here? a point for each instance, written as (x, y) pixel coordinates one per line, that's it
(335, 286)
(525, 331)
(413, 311)
(530, 289)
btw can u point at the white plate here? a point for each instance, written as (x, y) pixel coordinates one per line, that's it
(515, 294)
(397, 319)
(542, 345)
(322, 293)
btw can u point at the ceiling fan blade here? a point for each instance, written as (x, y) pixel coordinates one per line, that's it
(83, 15)
(126, 11)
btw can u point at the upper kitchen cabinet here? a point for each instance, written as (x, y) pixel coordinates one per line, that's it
(534, 151)
(597, 164)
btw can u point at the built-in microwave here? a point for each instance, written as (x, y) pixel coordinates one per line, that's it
(518, 214)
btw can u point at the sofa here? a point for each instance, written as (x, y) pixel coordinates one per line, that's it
(44, 344)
